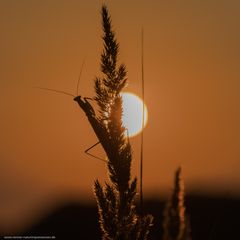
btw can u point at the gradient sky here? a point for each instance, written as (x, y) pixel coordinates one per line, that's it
(192, 87)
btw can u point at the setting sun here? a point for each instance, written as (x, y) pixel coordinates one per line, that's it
(132, 113)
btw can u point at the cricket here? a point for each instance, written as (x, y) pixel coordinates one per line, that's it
(86, 106)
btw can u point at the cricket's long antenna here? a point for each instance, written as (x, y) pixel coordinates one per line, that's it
(58, 91)
(79, 77)
(143, 113)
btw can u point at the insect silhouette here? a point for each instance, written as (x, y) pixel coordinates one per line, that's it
(86, 106)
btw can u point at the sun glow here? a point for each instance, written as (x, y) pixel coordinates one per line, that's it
(133, 113)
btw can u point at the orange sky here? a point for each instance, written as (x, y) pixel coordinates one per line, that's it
(192, 58)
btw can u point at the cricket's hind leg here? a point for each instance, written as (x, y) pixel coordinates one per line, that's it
(90, 154)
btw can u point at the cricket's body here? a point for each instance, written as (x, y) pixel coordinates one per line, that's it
(98, 127)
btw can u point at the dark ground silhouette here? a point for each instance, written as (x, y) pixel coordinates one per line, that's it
(211, 218)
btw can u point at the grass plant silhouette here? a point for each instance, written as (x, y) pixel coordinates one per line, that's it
(176, 223)
(117, 212)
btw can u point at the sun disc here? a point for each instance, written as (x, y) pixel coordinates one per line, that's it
(133, 113)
